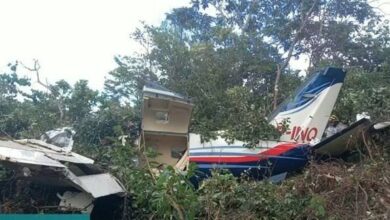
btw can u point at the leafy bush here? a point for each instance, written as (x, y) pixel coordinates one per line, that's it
(223, 196)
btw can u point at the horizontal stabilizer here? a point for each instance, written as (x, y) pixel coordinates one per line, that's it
(342, 141)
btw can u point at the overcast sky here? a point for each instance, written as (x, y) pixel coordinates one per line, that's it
(74, 39)
(77, 39)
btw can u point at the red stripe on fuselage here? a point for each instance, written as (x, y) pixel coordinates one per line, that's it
(279, 149)
(275, 151)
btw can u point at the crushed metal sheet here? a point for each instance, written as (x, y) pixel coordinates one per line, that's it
(59, 153)
(99, 185)
(40, 144)
(61, 137)
(73, 158)
(48, 150)
(26, 156)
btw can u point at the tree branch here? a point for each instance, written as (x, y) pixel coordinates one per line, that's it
(296, 37)
(52, 91)
(280, 68)
(276, 87)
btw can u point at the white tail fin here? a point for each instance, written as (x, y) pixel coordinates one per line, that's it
(308, 110)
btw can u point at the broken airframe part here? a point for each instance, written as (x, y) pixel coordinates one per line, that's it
(342, 141)
(60, 137)
(165, 121)
(381, 125)
(81, 181)
(78, 201)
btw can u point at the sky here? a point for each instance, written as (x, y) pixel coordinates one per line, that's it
(74, 39)
(78, 39)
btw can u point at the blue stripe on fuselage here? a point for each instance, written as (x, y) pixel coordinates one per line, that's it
(292, 160)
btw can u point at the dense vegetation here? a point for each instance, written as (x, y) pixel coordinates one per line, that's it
(232, 57)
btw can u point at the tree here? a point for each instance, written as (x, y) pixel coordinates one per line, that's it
(125, 82)
(202, 67)
(321, 30)
(81, 101)
(12, 117)
(365, 91)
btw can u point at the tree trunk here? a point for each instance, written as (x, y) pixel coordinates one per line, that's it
(276, 87)
(280, 68)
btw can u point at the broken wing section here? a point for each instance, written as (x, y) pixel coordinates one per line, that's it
(165, 121)
(78, 182)
(342, 141)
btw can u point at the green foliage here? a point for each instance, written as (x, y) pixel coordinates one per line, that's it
(106, 124)
(317, 204)
(13, 115)
(244, 119)
(224, 196)
(326, 29)
(365, 92)
(170, 195)
(81, 101)
(125, 82)
(14, 119)
(173, 196)
(230, 58)
(207, 71)
(10, 85)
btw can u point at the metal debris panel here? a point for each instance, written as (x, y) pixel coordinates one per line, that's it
(8, 152)
(99, 185)
(38, 152)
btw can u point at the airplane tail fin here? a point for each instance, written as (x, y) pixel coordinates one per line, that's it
(308, 110)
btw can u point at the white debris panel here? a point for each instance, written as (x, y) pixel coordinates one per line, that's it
(43, 160)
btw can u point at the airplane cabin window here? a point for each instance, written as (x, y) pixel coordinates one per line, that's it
(162, 117)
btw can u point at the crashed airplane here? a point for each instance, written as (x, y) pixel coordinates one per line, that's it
(166, 118)
(73, 177)
(165, 128)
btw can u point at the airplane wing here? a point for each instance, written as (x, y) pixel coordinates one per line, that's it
(343, 141)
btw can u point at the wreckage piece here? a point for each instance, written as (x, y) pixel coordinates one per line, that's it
(165, 121)
(93, 187)
(37, 152)
(107, 184)
(381, 125)
(46, 164)
(21, 153)
(343, 141)
(61, 137)
(76, 200)
(307, 110)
